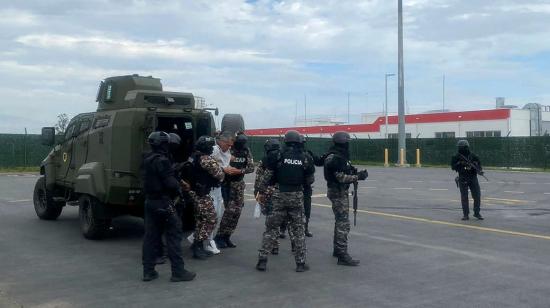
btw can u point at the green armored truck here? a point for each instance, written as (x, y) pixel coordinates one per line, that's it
(96, 164)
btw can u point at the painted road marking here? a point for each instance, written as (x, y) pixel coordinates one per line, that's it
(438, 189)
(507, 200)
(22, 200)
(416, 181)
(318, 195)
(402, 188)
(449, 224)
(369, 187)
(513, 192)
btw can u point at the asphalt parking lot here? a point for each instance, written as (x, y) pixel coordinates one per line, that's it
(414, 251)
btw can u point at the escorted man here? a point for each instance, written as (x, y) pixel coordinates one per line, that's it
(468, 166)
(222, 155)
(339, 174)
(241, 159)
(207, 174)
(161, 187)
(288, 172)
(271, 149)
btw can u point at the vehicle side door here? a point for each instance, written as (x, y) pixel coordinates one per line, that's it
(66, 153)
(80, 143)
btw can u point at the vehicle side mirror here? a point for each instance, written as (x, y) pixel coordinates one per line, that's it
(48, 136)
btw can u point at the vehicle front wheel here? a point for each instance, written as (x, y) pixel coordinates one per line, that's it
(92, 224)
(44, 205)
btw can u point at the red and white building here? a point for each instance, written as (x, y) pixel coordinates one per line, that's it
(532, 120)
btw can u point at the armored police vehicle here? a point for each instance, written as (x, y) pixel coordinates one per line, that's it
(96, 164)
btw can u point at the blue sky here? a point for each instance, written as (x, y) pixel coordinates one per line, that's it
(260, 58)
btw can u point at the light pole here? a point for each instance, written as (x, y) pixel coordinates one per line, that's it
(402, 145)
(386, 106)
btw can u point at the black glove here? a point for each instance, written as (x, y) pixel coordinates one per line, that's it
(362, 175)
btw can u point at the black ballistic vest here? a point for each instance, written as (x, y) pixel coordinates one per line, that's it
(152, 182)
(202, 182)
(337, 164)
(290, 170)
(240, 162)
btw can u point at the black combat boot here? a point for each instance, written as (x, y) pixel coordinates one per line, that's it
(228, 242)
(262, 264)
(302, 267)
(199, 252)
(183, 275)
(465, 217)
(275, 251)
(160, 260)
(335, 253)
(150, 274)
(347, 260)
(478, 216)
(307, 233)
(220, 241)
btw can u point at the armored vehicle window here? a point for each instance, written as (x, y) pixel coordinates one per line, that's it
(85, 125)
(167, 100)
(203, 126)
(69, 131)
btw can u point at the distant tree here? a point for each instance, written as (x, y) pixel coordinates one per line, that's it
(62, 121)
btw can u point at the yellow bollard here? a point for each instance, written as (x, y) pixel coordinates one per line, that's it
(402, 157)
(386, 164)
(418, 158)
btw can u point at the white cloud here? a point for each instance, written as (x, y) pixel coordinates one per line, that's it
(174, 50)
(260, 58)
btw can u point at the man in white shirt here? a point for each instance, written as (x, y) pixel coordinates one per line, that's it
(222, 155)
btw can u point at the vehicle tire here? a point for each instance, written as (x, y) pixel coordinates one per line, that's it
(232, 122)
(44, 205)
(93, 226)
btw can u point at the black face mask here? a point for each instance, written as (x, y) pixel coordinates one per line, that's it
(239, 146)
(464, 150)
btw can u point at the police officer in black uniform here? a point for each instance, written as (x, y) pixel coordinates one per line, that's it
(288, 172)
(161, 187)
(468, 166)
(339, 174)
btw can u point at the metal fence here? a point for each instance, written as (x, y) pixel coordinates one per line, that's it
(523, 152)
(17, 150)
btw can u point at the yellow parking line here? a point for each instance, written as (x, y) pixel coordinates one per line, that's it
(450, 224)
(508, 200)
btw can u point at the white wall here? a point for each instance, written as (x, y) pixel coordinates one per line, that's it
(519, 123)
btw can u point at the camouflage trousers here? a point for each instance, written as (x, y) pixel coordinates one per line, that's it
(340, 208)
(232, 212)
(287, 206)
(205, 217)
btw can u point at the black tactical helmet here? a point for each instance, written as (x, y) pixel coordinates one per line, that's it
(157, 139)
(205, 144)
(241, 138)
(463, 143)
(174, 139)
(341, 138)
(292, 136)
(272, 145)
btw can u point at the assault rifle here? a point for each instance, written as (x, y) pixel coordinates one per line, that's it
(474, 166)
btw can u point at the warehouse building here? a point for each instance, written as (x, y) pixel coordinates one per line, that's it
(531, 120)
